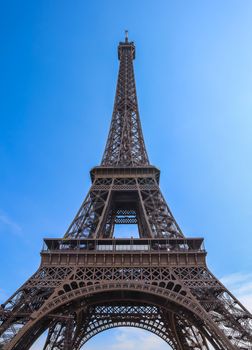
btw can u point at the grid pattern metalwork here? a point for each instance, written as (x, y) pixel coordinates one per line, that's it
(89, 281)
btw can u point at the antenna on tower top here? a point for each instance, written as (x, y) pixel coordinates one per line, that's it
(126, 35)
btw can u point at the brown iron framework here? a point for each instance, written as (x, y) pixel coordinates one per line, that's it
(89, 281)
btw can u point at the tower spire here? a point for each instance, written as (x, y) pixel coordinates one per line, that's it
(126, 35)
(125, 145)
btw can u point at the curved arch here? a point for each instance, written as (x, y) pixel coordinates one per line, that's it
(62, 297)
(99, 316)
(155, 332)
(103, 316)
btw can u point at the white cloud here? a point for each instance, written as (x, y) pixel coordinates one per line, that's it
(126, 338)
(132, 338)
(7, 225)
(240, 284)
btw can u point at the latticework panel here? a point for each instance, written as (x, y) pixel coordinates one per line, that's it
(90, 320)
(187, 285)
(119, 200)
(125, 144)
(226, 311)
(151, 318)
(89, 215)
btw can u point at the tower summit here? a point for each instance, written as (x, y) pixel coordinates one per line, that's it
(125, 145)
(89, 281)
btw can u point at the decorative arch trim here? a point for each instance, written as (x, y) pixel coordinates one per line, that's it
(59, 299)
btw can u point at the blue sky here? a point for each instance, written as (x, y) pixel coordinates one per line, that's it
(194, 81)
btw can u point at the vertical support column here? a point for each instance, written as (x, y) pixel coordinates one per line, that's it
(100, 229)
(68, 339)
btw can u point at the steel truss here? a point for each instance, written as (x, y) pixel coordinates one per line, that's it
(89, 281)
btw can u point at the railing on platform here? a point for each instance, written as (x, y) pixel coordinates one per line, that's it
(125, 245)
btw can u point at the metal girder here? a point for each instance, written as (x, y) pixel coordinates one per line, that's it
(137, 196)
(89, 282)
(125, 145)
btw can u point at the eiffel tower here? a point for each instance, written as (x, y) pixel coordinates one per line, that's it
(89, 281)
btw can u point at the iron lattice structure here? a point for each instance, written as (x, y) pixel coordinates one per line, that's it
(89, 281)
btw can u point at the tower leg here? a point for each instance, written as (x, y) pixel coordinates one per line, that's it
(69, 328)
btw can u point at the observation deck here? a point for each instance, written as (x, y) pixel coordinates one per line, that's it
(124, 251)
